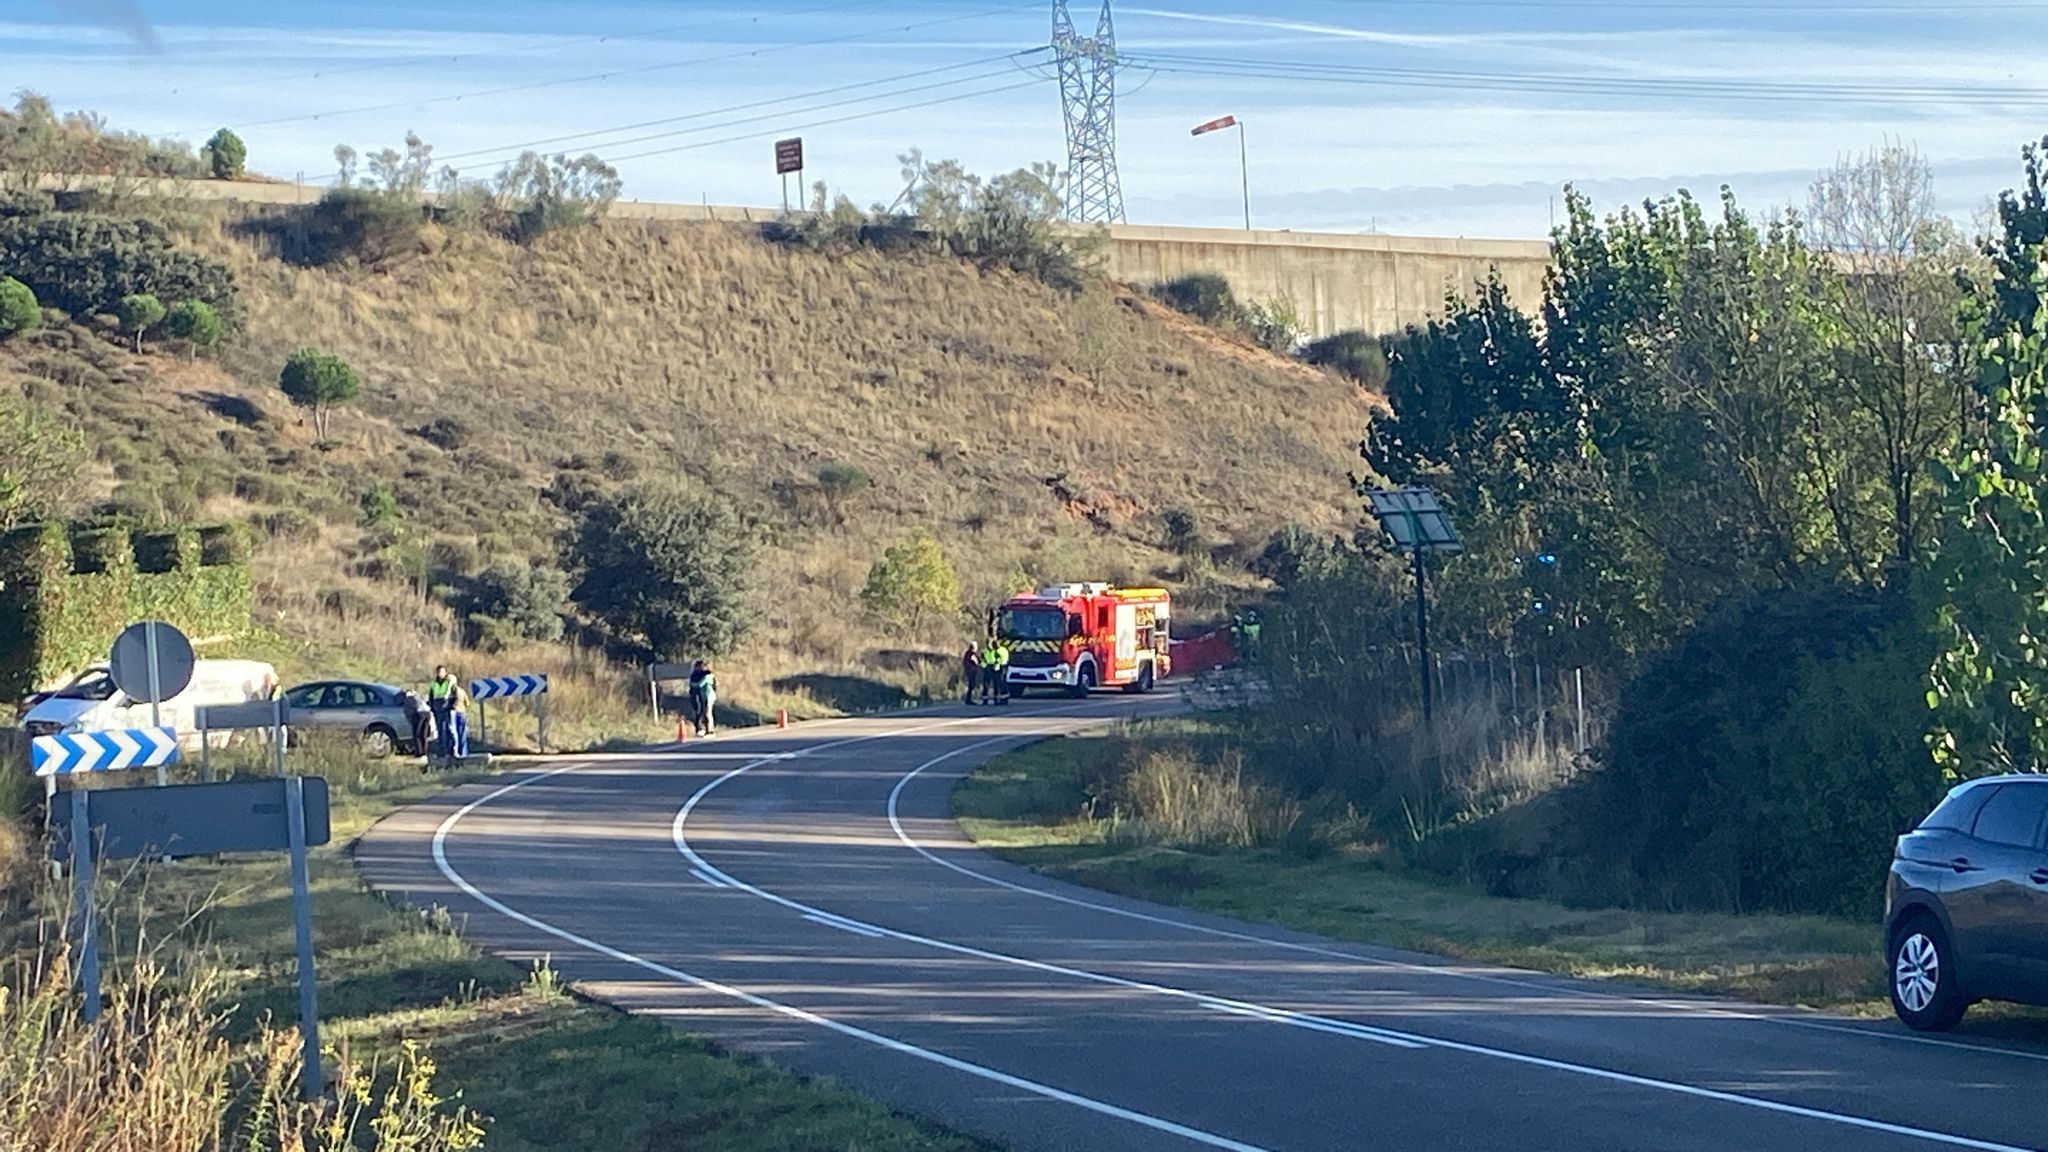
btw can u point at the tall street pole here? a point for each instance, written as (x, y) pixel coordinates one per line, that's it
(1244, 175)
(1422, 629)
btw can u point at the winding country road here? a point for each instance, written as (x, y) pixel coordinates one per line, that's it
(805, 895)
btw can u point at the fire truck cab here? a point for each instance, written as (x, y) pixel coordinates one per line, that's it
(1079, 637)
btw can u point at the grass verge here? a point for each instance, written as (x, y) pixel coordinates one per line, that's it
(1031, 807)
(543, 1068)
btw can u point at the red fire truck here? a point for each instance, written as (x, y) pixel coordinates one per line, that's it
(1080, 637)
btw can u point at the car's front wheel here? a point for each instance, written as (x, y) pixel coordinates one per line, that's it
(379, 741)
(1925, 992)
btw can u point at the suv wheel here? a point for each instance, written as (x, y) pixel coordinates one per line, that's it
(1923, 977)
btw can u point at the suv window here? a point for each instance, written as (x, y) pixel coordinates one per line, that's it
(2013, 816)
(1959, 811)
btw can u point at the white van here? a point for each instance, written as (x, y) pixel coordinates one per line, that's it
(91, 702)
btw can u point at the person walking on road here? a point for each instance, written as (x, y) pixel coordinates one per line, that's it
(441, 702)
(704, 697)
(970, 673)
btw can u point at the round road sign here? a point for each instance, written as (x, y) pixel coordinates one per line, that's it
(129, 662)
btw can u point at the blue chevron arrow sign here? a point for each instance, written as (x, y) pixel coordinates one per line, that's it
(70, 753)
(504, 687)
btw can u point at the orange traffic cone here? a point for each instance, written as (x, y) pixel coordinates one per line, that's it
(782, 718)
(682, 731)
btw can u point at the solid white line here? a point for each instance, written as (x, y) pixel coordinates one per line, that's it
(1690, 1007)
(845, 926)
(679, 976)
(1256, 1011)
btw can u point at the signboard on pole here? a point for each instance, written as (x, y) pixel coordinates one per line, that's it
(287, 814)
(789, 156)
(510, 688)
(68, 753)
(151, 662)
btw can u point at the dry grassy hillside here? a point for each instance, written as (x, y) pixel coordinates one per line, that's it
(1038, 435)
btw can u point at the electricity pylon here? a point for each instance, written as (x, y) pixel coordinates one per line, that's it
(1088, 93)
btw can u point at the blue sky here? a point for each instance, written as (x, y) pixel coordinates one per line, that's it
(1437, 117)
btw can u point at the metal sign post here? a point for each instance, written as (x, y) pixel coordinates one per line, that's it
(263, 815)
(81, 889)
(789, 157)
(302, 928)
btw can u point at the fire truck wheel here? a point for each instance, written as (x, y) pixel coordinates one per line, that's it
(1084, 682)
(1143, 684)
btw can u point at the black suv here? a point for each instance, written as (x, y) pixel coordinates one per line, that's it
(1966, 907)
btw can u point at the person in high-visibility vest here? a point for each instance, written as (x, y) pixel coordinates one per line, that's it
(1002, 672)
(441, 692)
(991, 671)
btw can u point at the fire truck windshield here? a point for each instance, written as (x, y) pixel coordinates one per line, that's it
(1032, 624)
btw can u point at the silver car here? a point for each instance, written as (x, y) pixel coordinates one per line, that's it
(385, 717)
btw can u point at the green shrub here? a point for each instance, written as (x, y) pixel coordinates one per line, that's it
(195, 322)
(840, 482)
(551, 193)
(1205, 296)
(378, 505)
(515, 599)
(1274, 325)
(1357, 354)
(19, 311)
(174, 550)
(669, 566)
(369, 224)
(318, 381)
(1183, 532)
(223, 545)
(139, 313)
(85, 263)
(1768, 760)
(101, 548)
(225, 155)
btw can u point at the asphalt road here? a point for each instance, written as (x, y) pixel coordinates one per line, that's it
(804, 895)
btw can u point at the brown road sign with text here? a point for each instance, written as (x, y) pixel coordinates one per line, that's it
(789, 155)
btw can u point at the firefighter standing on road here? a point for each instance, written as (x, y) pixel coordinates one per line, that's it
(1002, 671)
(970, 673)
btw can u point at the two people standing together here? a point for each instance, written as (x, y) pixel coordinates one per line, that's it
(987, 668)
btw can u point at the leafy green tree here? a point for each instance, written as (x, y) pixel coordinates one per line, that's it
(19, 311)
(196, 323)
(84, 262)
(913, 582)
(41, 457)
(138, 314)
(669, 566)
(225, 155)
(1903, 356)
(1989, 682)
(319, 382)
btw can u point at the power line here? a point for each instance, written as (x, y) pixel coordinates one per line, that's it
(1565, 84)
(765, 133)
(751, 105)
(641, 69)
(436, 58)
(779, 116)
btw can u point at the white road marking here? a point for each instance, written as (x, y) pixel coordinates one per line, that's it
(677, 975)
(1712, 1011)
(845, 926)
(1282, 1015)
(707, 878)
